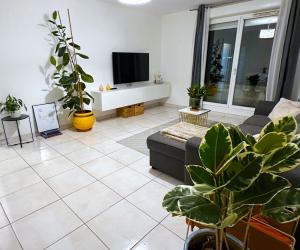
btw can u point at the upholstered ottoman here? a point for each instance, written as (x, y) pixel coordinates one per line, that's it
(167, 155)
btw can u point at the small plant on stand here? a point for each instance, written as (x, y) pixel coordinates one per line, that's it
(196, 94)
(12, 106)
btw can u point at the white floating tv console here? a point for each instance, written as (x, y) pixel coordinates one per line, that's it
(128, 95)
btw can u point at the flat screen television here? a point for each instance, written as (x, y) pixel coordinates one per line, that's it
(130, 67)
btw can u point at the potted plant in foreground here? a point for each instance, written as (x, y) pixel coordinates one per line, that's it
(196, 94)
(12, 106)
(237, 176)
(70, 75)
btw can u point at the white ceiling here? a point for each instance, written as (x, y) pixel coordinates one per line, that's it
(162, 7)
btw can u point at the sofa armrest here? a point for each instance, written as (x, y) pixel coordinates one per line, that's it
(192, 151)
(264, 108)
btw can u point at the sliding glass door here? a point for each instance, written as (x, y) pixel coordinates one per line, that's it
(238, 59)
(221, 44)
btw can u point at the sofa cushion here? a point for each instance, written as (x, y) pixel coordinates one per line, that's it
(258, 120)
(167, 146)
(285, 107)
(250, 129)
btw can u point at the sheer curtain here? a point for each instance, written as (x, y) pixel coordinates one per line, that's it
(200, 46)
(277, 50)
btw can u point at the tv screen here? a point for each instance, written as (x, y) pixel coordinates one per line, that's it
(130, 67)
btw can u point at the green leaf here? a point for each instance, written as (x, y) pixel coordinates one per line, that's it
(191, 205)
(66, 59)
(284, 207)
(89, 96)
(187, 201)
(286, 125)
(283, 159)
(59, 67)
(87, 78)
(53, 61)
(61, 51)
(57, 47)
(82, 56)
(215, 147)
(237, 150)
(251, 140)
(264, 188)
(296, 140)
(50, 21)
(242, 172)
(200, 175)
(76, 46)
(236, 135)
(87, 101)
(54, 15)
(269, 142)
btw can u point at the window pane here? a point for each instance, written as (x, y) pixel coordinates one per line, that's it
(221, 43)
(254, 60)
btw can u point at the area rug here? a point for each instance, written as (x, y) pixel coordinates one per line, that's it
(138, 142)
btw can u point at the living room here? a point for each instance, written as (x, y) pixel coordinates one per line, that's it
(150, 124)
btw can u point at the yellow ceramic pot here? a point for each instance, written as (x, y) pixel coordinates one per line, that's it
(83, 121)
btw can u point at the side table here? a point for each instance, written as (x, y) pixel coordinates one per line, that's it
(197, 117)
(17, 119)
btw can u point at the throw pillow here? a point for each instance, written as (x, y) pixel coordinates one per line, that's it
(285, 107)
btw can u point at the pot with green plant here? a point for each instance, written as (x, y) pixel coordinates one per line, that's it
(70, 75)
(238, 174)
(196, 94)
(12, 106)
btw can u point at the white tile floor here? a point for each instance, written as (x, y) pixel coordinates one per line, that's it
(86, 191)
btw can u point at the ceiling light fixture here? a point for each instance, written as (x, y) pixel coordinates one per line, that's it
(134, 2)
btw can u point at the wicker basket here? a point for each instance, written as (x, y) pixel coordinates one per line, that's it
(139, 109)
(126, 111)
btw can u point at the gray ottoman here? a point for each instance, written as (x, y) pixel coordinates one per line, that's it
(167, 155)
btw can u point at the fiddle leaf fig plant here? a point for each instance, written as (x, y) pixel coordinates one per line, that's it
(68, 73)
(237, 174)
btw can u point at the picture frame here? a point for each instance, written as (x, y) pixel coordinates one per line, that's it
(46, 117)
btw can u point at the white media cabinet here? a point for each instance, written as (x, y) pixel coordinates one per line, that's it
(128, 95)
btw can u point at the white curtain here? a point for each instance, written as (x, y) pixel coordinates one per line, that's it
(205, 44)
(279, 39)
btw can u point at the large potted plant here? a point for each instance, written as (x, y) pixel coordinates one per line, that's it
(12, 106)
(70, 75)
(196, 94)
(237, 174)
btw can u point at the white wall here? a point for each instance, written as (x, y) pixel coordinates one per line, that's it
(99, 27)
(178, 32)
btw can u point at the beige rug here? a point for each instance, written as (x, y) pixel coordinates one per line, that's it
(183, 131)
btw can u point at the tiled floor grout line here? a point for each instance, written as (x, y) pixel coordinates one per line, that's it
(10, 225)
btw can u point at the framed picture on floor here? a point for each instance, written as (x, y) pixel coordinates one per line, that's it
(46, 118)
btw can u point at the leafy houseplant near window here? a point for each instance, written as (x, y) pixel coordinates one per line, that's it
(237, 175)
(70, 75)
(196, 94)
(12, 106)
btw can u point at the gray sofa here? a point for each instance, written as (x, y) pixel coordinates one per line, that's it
(170, 156)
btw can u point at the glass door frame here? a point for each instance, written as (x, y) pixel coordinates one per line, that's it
(240, 19)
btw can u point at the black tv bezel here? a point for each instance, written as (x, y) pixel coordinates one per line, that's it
(116, 82)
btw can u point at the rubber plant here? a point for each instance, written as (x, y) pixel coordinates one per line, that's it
(68, 73)
(239, 173)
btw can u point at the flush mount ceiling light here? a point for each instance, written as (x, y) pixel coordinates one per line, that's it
(134, 2)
